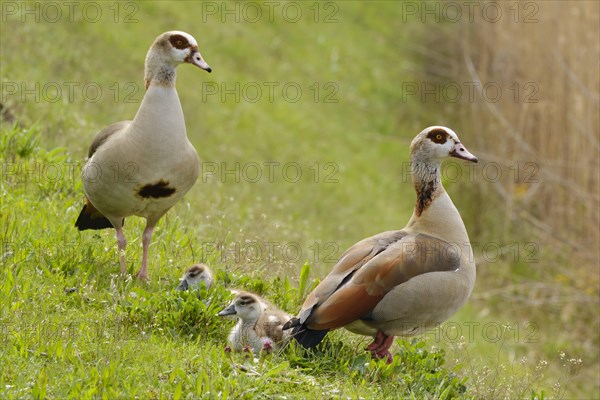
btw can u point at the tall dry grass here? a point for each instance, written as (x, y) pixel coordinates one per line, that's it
(543, 133)
(553, 122)
(544, 129)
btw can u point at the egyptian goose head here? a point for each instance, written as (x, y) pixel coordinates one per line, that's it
(399, 282)
(248, 307)
(436, 143)
(427, 151)
(194, 276)
(168, 51)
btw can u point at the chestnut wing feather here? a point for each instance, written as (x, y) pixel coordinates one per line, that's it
(374, 277)
(350, 261)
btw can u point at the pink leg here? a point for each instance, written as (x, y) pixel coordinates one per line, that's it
(146, 238)
(122, 243)
(379, 339)
(380, 348)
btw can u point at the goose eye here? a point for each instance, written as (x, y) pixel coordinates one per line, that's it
(437, 136)
(179, 42)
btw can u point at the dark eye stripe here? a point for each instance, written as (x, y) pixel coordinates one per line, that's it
(179, 42)
(243, 301)
(438, 136)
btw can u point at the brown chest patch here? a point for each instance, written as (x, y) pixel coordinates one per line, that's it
(156, 190)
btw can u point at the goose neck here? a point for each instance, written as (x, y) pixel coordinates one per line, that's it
(427, 182)
(157, 72)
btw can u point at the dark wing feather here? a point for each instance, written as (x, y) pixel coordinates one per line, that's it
(90, 218)
(308, 337)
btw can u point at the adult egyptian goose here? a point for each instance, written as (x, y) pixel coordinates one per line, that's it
(194, 276)
(143, 167)
(400, 282)
(259, 324)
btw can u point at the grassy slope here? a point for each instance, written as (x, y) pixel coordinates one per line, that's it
(73, 327)
(365, 135)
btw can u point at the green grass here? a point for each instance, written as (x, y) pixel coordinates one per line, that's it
(73, 327)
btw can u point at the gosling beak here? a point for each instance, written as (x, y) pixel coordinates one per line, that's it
(183, 285)
(230, 310)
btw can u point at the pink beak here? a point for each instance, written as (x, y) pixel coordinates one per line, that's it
(196, 59)
(460, 151)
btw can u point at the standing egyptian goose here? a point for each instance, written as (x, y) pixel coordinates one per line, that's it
(400, 282)
(259, 324)
(194, 276)
(143, 167)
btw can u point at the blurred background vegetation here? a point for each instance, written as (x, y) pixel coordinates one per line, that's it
(518, 81)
